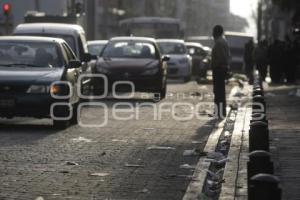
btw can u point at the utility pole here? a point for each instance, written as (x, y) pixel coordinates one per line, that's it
(37, 5)
(259, 21)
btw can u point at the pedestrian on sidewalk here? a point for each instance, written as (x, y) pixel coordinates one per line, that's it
(261, 59)
(220, 66)
(276, 55)
(290, 70)
(249, 60)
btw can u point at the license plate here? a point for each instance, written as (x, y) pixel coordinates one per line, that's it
(7, 103)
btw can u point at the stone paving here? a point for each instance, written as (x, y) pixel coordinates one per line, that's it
(283, 105)
(112, 162)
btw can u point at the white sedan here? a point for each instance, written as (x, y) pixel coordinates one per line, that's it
(180, 63)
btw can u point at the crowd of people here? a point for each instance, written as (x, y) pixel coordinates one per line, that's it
(279, 58)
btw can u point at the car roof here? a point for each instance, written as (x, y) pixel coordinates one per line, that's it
(171, 40)
(195, 44)
(31, 39)
(49, 28)
(97, 42)
(148, 39)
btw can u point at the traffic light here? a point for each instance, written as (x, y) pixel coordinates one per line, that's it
(6, 9)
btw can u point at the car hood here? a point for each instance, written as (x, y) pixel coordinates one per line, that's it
(30, 75)
(127, 64)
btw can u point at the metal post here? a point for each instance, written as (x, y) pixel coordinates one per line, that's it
(37, 5)
(7, 24)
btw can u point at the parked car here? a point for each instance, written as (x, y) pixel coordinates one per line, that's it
(135, 59)
(31, 71)
(200, 58)
(180, 63)
(95, 47)
(73, 34)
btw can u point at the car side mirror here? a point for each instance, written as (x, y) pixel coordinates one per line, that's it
(87, 57)
(74, 64)
(166, 58)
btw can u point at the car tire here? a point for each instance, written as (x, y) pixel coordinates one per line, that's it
(74, 119)
(160, 94)
(163, 91)
(61, 124)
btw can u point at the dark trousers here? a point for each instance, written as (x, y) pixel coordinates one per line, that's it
(263, 70)
(249, 71)
(219, 76)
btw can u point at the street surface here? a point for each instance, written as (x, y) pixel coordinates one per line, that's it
(135, 159)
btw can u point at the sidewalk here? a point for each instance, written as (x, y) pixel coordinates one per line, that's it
(283, 112)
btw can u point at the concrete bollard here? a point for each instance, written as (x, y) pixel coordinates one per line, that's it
(258, 136)
(264, 187)
(259, 116)
(259, 103)
(259, 162)
(258, 91)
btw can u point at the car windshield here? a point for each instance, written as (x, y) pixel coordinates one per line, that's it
(32, 54)
(172, 48)
(95, 49)
(130, 49)
(69, 39)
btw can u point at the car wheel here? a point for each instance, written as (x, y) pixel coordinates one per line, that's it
(74, 119)
(63, 112)
(61, 124)
(163, 91)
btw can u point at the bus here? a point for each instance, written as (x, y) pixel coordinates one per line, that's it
(155, 27)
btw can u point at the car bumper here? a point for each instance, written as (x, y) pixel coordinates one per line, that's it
(140, 83)
(24, 105)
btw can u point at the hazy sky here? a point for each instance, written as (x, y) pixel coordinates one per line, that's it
(245, 8)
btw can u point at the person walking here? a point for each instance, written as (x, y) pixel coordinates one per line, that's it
(261, 59)
(276, 55)
(220, 65)
(248, 60)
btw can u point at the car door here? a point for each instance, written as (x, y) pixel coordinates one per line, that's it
(72, 75)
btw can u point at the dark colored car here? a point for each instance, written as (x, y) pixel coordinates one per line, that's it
(36, 73)
(201, 58)
(134, 59)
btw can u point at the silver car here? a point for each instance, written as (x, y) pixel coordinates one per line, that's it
(180, 63)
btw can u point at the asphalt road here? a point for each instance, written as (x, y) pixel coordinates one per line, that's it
(137, 158)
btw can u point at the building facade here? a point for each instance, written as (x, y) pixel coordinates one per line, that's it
(20, 8)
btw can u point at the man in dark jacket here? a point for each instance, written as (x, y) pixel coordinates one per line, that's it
(248, 59)
(220, 65)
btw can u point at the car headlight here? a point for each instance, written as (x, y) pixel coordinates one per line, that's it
(183, 61)
(38, 89)
(150, 71)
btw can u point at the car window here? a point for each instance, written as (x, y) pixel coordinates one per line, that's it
(172, 48)
(69, 52)
(68, 38)
(95, 49)
(130, 49)
(33, 54)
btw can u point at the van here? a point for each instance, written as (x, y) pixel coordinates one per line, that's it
(73, 34)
